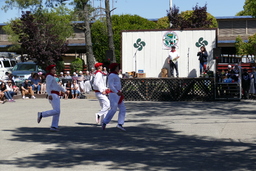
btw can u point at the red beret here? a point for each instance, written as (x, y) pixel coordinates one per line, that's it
(113, 65)
(50, 67)
(98, 64)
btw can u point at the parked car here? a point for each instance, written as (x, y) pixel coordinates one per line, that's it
(7, 62)
(23, 70)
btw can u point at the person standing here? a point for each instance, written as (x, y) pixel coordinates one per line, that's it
(246, 81)
(173, 61)
(202, 59)
(115, 97)
(53, 90)
(100, 89)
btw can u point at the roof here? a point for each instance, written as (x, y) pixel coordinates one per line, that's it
(233, 17)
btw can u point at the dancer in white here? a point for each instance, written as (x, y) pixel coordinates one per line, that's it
(100, 89)
(53, 90)
(115, 97)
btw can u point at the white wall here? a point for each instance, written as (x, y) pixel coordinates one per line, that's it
(152, 58)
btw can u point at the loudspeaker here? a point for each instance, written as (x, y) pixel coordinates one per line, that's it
(216, 53)
(109, 55)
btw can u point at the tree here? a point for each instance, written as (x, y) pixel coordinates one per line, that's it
(111, 44)
(119, 22)
(197, 18)
(246, 48)
(249, 9)
(163, 23)
(39, 39)
(83, 7)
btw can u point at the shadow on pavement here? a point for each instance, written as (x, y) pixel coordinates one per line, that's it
(145, 146)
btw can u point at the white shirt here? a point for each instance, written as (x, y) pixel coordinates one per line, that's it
(114, 82)
(52, 85)
(173, 55)
(98, 83)
(75, 86)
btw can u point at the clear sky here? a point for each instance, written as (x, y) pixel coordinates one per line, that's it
(153, 9)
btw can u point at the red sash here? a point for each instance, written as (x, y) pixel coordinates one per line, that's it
(56, 92)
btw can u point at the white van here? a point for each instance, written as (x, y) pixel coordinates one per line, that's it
(7, 62)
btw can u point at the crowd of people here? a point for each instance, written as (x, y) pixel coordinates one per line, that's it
(232, 75)
(76, 85)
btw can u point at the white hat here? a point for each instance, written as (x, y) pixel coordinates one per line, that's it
(61, 72)
(74, 72)
(67, 72)
(80, 72)
(229, 66)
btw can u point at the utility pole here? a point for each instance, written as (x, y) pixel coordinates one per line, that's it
(170, 12)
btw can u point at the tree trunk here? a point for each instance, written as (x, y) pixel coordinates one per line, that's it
(88, 38)
(111, 45)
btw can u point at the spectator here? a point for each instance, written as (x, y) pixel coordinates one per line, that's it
(2, 98)
(74, 77)
(36, 83)
(26, 88)
(61, 76)
(31, 76)
(68, 76)
(43, 84)
(68, 89)
(12, 88)
(7, 94)
(75, 90)
(56, 78)
(87, 84)
(80, 81)
(246, 81)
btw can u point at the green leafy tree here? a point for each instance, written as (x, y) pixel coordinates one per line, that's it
(163, 23)
(40, 37)
(246, 48)
(197, 18)
(77, 65)
(249, 9)
(119, 22)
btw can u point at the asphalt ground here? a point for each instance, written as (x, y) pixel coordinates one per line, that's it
(160, 136)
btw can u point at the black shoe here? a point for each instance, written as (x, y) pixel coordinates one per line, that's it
(39, 117)
(103, 126)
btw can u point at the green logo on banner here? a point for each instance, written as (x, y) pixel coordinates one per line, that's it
(139, 44)
(170, 39)
(201, 42)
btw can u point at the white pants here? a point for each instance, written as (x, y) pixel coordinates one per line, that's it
(104, 104)
(114, 98)
(87, 86)
(55, 113)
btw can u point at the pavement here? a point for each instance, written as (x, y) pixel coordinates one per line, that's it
(160, 136)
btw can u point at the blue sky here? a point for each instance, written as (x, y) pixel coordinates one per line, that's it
(153, 9)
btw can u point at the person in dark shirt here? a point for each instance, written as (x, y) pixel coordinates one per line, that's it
(246, 81)
(26, 88)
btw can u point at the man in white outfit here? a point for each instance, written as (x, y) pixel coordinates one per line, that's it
(173, 61)
(100, 92)
(115, 97)
(53, 89)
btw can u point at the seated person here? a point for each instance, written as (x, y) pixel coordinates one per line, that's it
(36, 83)
(2, 98)
(75, 89)
(12, 88)
(43, 83)
(26, 88)
(68, 89)
(3, 89)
